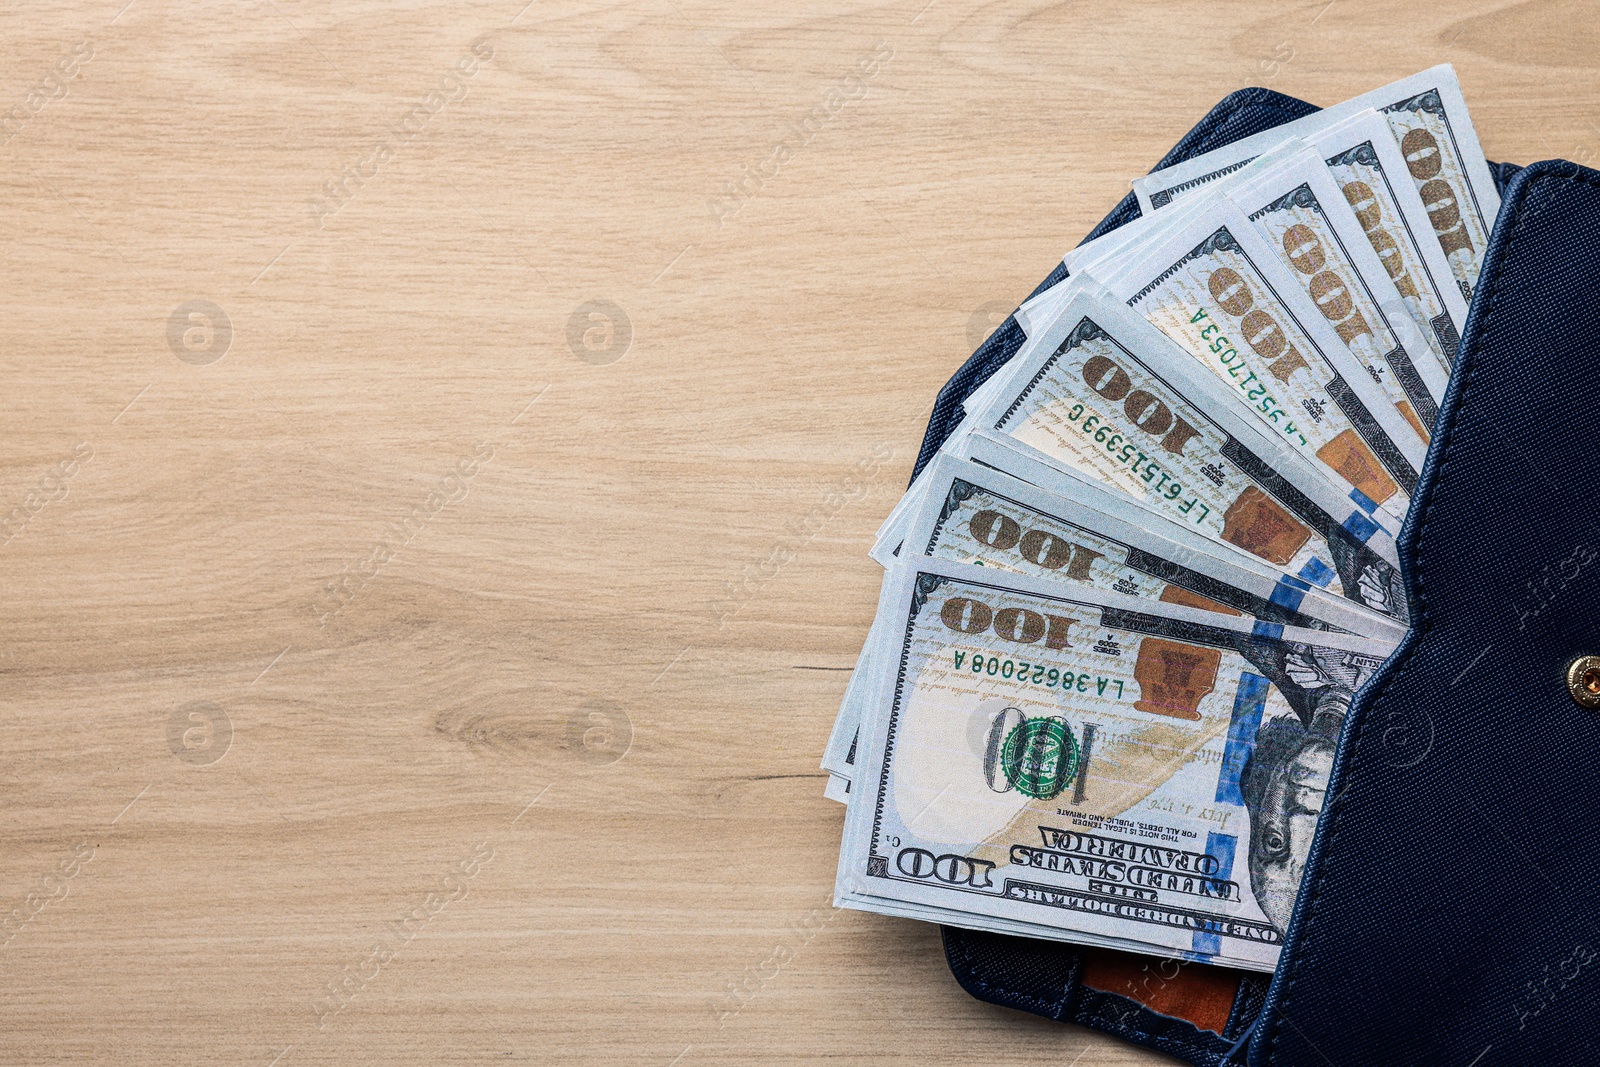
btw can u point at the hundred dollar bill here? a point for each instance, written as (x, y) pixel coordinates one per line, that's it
(1295, 204)
(1366, 163)
(1093, 765)
(1427, 118)
(838, 758)
(1006, 510)
(1216, 287)
(1450, 172)
(1058, 525)
(1103, 393)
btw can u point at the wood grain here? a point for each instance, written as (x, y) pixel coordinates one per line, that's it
(519, 650)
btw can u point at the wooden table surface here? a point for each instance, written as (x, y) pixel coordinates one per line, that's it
(442, 443)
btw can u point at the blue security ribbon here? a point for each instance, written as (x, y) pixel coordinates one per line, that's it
(1248, 705)
(1221, 847)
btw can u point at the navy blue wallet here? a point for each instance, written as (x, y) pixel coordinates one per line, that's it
(1449, 913)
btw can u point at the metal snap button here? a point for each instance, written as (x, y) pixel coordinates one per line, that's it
(1583, 681)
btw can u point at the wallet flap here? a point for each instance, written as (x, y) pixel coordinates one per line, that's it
(1450, 909)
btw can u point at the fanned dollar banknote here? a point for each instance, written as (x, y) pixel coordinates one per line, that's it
(1126, 605)
(1427, 119)
(1366, 164)
(1295, 204)
(1087, 763)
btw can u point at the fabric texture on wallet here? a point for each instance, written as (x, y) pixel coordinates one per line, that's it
(1449, 909)
(1044, 977)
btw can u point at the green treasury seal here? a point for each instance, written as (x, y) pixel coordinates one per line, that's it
(1040, 757)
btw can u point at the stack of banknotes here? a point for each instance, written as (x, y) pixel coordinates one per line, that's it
(1126, 606)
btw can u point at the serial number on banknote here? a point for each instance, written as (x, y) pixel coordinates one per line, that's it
(1037, 674)
(1148, 470)
(1254, 389)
